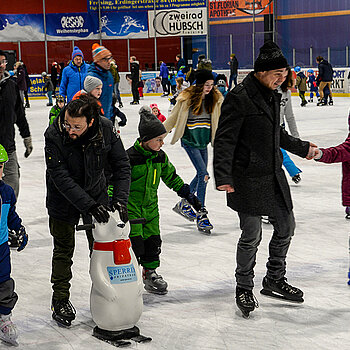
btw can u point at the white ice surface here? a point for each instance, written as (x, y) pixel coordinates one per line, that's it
(199, 311)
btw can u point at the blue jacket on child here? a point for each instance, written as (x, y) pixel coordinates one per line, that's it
(107, 88)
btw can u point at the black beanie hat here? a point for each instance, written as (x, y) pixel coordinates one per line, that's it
(150, 126)
(270, 57)
(202, 75)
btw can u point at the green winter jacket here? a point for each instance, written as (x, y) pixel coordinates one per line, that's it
(147, 168)
(54, 113)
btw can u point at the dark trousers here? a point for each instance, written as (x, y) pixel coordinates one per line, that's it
(284, 224)
(8, 296)
(135, 91)
(63, 234)
(165, 83)
(26, 97)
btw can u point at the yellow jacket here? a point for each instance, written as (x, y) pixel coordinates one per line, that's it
(179, 115)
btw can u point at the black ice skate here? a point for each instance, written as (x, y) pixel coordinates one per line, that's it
(281, 289)
(153, 282)
(63, 312)
(330, 102)
(296, 178)
(246, 301)
(203, 223)
(322, 102)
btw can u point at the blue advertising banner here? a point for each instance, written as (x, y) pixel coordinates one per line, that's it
(63, 26)
(124, 24)
(73, 26)
(21, 27)
(132, 5)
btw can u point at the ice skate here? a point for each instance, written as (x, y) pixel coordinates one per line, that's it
(203, 223)
(265, 220)
(347, 212)
(330, 103)
(296, 178)
(135, 103)
(246, 301)
(184, 209)
(311, 100)
(322, 102)
(63, 312)
(153, 282)
(304, 103)
(8, 330)
(120, 105)
(281, 289)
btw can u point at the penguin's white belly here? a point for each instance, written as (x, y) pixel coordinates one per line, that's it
(126, 309)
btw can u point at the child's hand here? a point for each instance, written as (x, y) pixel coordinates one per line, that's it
(22, 238)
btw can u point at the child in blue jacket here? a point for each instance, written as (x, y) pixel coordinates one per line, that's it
(9, 219)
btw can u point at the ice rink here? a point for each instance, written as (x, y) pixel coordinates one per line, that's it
(199, 312)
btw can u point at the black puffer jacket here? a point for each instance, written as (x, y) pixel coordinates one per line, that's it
(247, 145)
(135, 71)
(11, 113)
(325, 71)
(75, 176)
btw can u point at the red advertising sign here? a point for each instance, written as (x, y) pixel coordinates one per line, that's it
(239, 8)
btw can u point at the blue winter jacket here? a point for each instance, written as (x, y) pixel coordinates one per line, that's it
(107, 89)
(164, 71)
(73, 79)
(8, 220)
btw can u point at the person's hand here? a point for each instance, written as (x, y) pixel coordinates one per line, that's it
(312, 151)
(227, 188)
(99, 212)
(122, 209)
(22, 238)
(28, 145)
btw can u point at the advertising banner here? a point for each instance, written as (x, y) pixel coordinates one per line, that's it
(21, 27)
(73, 26)
(190, 21)
(239, 8)
(124, 24)
(134, 5)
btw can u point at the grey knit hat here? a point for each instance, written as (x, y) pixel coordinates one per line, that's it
(270, 57)
(91, 83)
(150, 126)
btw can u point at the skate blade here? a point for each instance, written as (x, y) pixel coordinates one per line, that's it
(245, 313)
(9, 341)
(62, 322)
(206, 232)
(116, 343)
(178, 211)
(275, 295)
(155, 291)
(141, 339)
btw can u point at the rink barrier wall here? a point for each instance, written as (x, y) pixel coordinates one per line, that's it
(340, 85)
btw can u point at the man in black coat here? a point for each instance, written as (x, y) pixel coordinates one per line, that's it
(247, 165)
(12, 112)
(325, 77)
(233, 70)
(79, 145)
(135, 78)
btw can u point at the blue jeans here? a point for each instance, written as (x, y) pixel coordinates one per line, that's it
(289, 164)
(233, 77)
(199, 158)
(49, 95)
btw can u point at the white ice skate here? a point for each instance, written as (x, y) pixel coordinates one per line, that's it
(8, 330)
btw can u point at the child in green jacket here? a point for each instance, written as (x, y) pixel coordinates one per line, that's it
(149, 164)
(56, 109)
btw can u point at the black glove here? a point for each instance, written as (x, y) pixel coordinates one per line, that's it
(184, 192)
(22, 238)
(122, 209)
(99, 212)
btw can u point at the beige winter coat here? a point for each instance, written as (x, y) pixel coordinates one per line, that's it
(179, 115)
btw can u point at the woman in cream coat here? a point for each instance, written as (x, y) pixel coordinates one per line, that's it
(196, 117)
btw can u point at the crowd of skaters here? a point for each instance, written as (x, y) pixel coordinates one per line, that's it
(77, 177)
